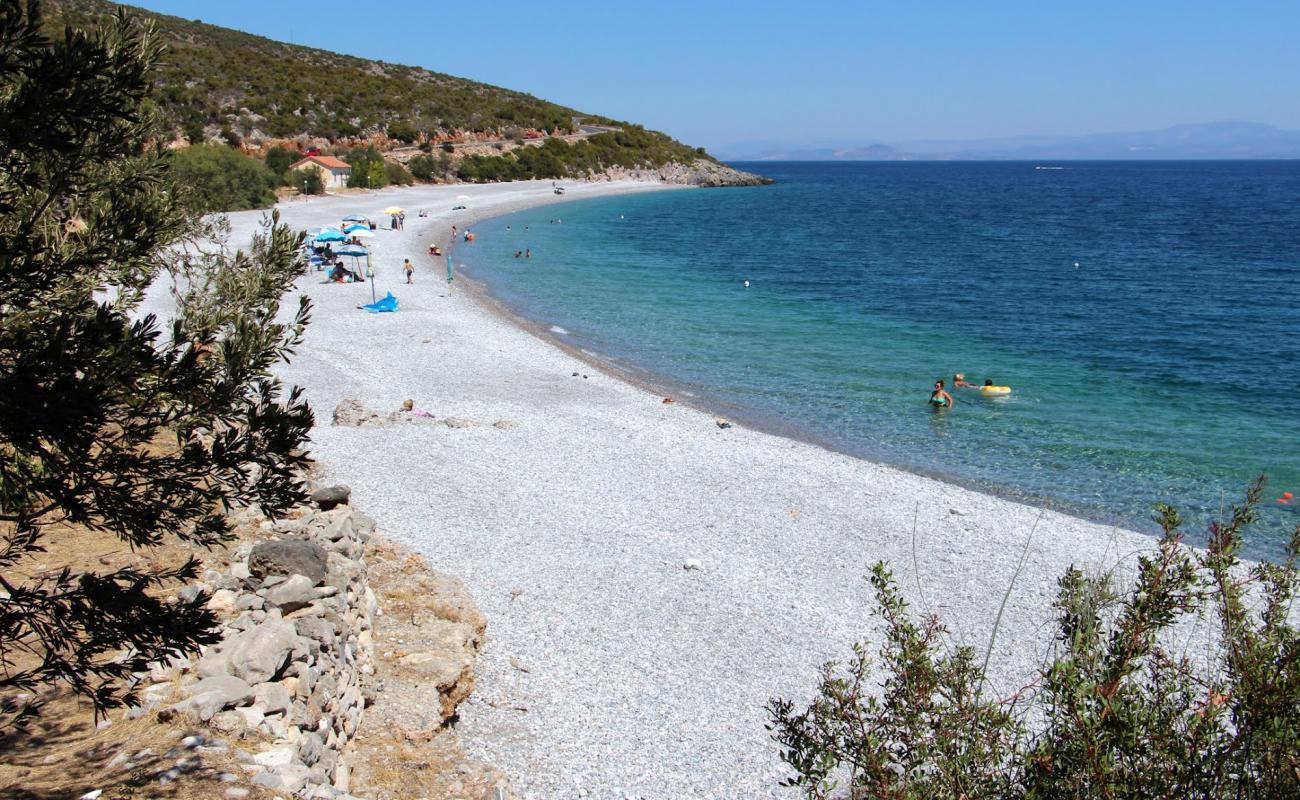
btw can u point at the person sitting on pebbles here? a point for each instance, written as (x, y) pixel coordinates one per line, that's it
(408, 407)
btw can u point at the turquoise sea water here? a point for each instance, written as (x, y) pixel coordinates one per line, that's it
(1161, 368)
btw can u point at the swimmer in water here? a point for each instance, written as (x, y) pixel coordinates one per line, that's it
(939, 398)
(959, 382)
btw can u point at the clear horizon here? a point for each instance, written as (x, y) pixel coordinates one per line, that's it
(730, 72)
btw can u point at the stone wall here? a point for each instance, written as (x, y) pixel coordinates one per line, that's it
(295, 669)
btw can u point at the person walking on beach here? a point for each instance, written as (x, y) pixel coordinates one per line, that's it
(939, 398)
(409, 269)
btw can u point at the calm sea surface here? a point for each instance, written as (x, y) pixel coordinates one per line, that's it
(1147, 316)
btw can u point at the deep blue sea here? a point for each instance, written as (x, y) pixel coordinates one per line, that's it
(1146, 315)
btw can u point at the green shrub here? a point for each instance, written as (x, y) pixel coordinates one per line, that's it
(397, 175)
(279, 159)
(308, 180)
(368, 170)
(422, 167)
(217, 178)
(402, 131)
(1119, 711)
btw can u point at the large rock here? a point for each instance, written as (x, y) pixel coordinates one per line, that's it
(210, 695)
(351, 413)
(293, 594)
(448, 664)
(288, 557)
(330, 496)
(256, 655)
(272, 697)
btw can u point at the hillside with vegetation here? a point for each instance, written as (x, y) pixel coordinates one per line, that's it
(218, 86)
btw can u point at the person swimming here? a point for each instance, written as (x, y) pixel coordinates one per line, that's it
(959, 382)
(939, 398)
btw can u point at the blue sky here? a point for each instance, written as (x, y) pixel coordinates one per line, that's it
(714, 73)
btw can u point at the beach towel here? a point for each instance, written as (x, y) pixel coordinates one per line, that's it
(385, 303)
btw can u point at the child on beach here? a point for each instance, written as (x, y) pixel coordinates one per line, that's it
(409, 269)
(408, 406)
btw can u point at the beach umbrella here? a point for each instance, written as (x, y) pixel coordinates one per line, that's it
(361, 233)
(356, 218)
(462, 197)
(330, 236)
(356, 251)
(391, 210)
(351, 228)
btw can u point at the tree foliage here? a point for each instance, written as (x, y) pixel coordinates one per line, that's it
(631, 148)
(279, 159)
(308, 180)
(1121, 710)
(110, 422)
(217, 178)
(368, 170)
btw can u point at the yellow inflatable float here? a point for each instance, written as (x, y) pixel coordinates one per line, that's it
(995, 391)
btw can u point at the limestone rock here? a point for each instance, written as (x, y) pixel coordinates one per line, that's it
(330, 496)
(255, 655)
(293, 594)
(273, 697)
(448, 664)
(288, 557)
(210, 695)
(351, 413)
(222, 601)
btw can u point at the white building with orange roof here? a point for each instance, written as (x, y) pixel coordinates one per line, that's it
(333, 172)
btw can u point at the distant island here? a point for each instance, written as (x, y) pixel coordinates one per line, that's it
(1214, 140)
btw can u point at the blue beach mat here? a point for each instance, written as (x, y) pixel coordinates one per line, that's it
(385, 303)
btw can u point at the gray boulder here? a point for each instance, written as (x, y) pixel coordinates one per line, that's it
(293, 594)
(274, 697)
(330, 496)
(256, 655)
(288, 557)
(210, 695)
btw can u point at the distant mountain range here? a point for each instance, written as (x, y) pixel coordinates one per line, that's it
(1214, 140)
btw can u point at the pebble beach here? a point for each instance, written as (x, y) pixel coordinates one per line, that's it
(650, 579)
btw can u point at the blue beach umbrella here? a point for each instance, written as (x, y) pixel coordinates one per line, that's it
(330, 236)
(354, 250)
(351, 228)
(356, 218)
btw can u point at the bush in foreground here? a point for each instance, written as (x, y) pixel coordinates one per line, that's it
(1120, 710)
(111, 424)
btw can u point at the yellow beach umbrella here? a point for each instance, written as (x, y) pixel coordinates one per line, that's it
(393, 210)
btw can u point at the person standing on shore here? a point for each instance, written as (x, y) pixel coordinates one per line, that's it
(409, 269)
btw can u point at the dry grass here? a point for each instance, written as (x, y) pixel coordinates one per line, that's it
(63, 754)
